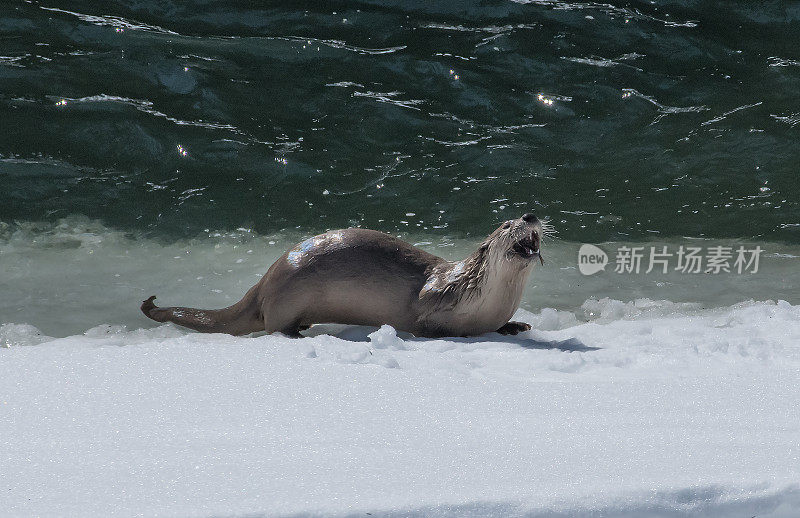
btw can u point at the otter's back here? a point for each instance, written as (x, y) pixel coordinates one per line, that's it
(351, 276)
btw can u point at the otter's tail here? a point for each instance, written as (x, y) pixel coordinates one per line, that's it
(240, 319)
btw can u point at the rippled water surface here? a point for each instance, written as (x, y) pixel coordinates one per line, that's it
(617, 121)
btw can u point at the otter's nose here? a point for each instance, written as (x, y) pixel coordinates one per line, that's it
(529, 218)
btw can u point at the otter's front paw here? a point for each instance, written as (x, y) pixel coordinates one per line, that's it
(513, 328)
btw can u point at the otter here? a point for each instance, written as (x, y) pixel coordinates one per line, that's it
(364, 277)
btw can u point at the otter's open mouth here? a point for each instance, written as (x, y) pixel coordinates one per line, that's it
(527, 247)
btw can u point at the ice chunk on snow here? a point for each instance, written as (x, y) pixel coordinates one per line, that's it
(550, 319)
(386, 338)
(607, 309)
(104, 330)
(14, 335)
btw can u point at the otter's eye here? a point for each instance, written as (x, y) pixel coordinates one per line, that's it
(506, 225)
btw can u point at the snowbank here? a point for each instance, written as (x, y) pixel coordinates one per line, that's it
(647, 409)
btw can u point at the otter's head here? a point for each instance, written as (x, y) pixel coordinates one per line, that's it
(519, 239)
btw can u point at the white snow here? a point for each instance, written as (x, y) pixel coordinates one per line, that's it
(646, 408)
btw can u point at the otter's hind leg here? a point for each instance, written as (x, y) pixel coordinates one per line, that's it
(294, 331)
(290, 328)
(285, 313)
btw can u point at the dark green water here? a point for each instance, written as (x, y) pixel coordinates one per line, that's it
(617, 121)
